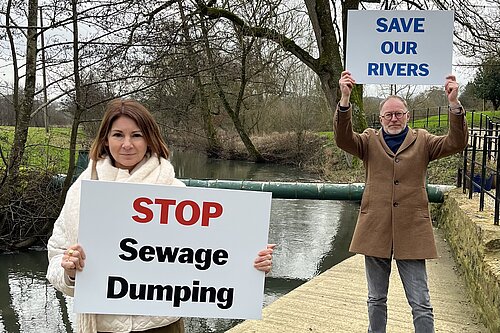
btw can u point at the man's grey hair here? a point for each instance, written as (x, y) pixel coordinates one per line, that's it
(392, 97)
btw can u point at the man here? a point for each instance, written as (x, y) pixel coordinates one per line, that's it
(394, 219)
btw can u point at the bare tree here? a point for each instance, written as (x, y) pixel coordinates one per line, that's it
(234, 112)
(79, 107)
(214, 148)
(24, 107)
(476, 31)
(327, 65)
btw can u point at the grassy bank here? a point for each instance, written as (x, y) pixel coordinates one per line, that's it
(442, 171)
(433, 122)
(317, 153)
(46, 151)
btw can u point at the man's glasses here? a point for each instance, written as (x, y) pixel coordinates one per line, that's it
(389, 115)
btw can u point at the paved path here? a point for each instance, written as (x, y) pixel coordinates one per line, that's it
(335, 301)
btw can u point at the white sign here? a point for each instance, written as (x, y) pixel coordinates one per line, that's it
(399, 47)
(175, 251)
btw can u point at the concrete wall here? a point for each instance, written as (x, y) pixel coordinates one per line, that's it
(475, 243)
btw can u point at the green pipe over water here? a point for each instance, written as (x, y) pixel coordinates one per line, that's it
(286, 190)
(295, 190)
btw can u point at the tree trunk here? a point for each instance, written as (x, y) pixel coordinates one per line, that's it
(10, 180)
(26, 105)
(79, 108)
(329, 66)
(233, 113)
(214, 147)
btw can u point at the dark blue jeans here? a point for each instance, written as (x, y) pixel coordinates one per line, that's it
(414, 277)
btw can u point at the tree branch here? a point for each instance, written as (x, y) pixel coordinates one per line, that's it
(270, 34)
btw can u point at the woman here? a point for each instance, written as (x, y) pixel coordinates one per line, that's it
(128, 148)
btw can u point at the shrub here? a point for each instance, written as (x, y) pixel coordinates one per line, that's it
(28, 211)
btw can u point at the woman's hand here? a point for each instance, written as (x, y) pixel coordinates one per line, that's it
(264, 260)
(73, 260)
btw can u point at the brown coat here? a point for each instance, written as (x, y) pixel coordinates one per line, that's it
(394, 214)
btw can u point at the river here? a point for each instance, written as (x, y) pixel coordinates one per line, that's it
(311, 237)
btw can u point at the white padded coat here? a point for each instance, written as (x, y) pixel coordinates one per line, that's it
(151, 171)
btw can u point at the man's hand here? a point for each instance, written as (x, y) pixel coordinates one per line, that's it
(346, 83)
(451, 89)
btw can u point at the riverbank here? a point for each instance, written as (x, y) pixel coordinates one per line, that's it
(31, 207)
(315, 154)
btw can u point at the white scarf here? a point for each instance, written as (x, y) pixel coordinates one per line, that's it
(151, 171)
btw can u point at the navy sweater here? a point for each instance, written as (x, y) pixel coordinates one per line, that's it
(394, 141)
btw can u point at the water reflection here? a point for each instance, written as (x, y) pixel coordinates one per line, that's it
(301, 245)
(312, 236)
(194, 165)
(27, 302)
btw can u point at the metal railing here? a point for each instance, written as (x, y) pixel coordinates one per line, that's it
(480, 163)
(421, 117)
